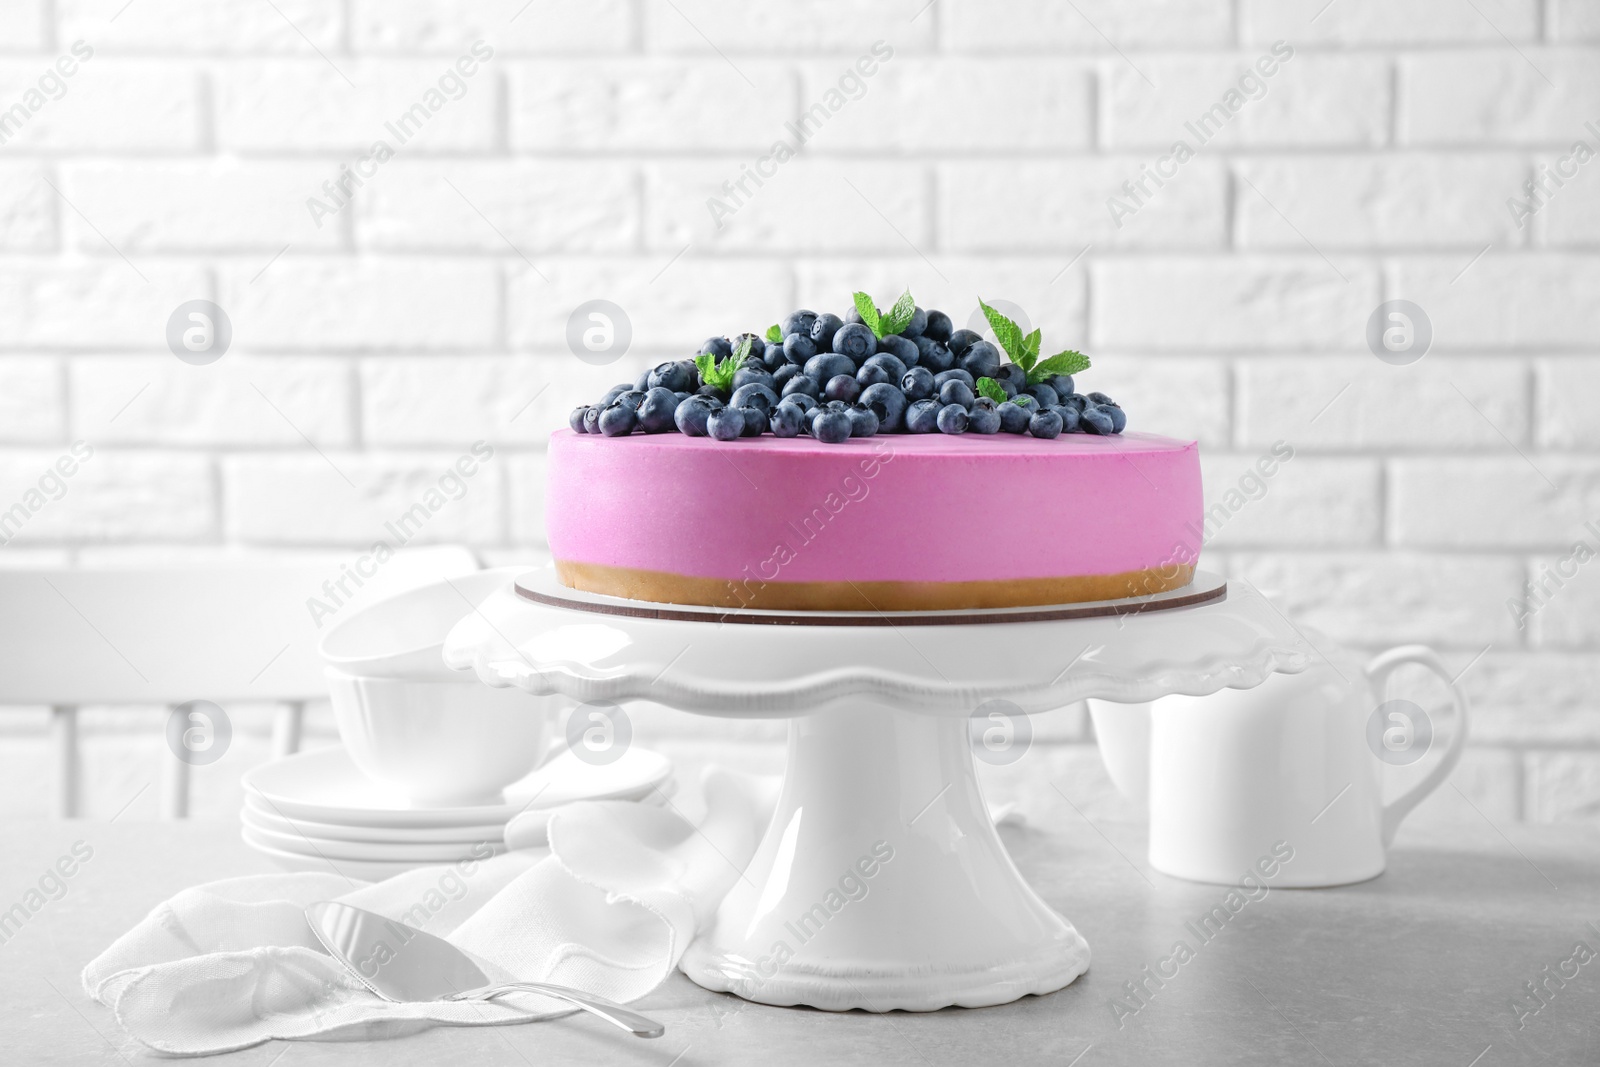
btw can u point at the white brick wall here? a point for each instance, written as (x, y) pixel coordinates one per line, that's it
(976, 160)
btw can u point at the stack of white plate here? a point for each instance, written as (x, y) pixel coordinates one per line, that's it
(314, 811)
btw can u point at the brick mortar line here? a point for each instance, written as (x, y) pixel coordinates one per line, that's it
(845, 53)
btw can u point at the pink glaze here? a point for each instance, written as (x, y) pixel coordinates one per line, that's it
(891, 508)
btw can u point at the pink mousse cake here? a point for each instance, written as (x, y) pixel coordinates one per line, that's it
(888, 523)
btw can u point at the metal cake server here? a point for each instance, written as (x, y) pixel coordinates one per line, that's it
(403, 964)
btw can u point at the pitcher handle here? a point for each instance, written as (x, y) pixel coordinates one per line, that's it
(1378, 671)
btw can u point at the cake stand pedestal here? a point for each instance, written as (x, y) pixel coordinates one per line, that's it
(881, 883)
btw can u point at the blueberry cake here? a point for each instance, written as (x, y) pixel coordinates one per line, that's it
(881, 461)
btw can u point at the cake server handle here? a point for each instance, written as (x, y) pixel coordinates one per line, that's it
(611, 1012)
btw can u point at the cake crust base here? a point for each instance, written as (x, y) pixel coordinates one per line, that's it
(660, 587)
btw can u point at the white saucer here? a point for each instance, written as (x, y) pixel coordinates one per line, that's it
(365, 870)
(290, 838)
(384, 851)
(325, 786)
(258, 813)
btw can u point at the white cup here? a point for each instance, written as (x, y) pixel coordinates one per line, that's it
(441, 743)
(1297, 760)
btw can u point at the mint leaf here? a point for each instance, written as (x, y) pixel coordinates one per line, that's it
(1022, 400)
(990, 388)
(1009, 334)
(1031, 343)
(775, 334)
(900, 315)
(869, 313)
(720, 375)
(1068, 362)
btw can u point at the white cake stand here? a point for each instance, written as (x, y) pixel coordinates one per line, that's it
(881, 883)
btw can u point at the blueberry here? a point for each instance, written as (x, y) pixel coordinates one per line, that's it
(831, 427)
(1061, 383)
(955, 374)
(1045, 395)
(753, 373)
(842, 387)
(758, 344)
(981, 360)
(1069, 419)
(934, 355)
(801, 385)
(896, 366)
(781, 376)
(691, 415)
(835, 405)
(873, 374)
(798, 348)
(642, 382)
(612, 393)
(720, 347)
(961, 340)
(939, 326)
(575, 420)
(679, 376)
(801, 401)
(798, 322)
(773, 359)
(888, 403)
(918, 323)
(1045, 424)
(956, 392)
(1014, 418)
(618, 420)
(591, 419)
(1096, 420)
(863, 421)
(1100, 399)
(852, 316)
(1006, 387)
(984, 418)
(855, 340)
(725, 424)
(785, 420)
(822, 331)
(901, 348)
(1119, 420)
(922, 416)
(1013, 373)
(754, 395)
(712, 391)
(952, 418)
(917, 383)
(655, 414)
(1077, 401)
(680, 396)
(829, 365)
(631, 399)
(755, 421)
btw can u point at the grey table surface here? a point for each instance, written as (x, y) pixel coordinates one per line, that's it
(1419, 966)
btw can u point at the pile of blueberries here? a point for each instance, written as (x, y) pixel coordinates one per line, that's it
(833, 379)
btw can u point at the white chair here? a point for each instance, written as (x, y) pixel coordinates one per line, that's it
(239, 632)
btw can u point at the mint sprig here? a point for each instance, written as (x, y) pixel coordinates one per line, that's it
(1024, 351)
(898, 318)
(775, 334)
(990, 388)
(720, 375)
(1068, 362)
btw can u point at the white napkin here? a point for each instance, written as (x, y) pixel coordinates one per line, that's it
(608, 907)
